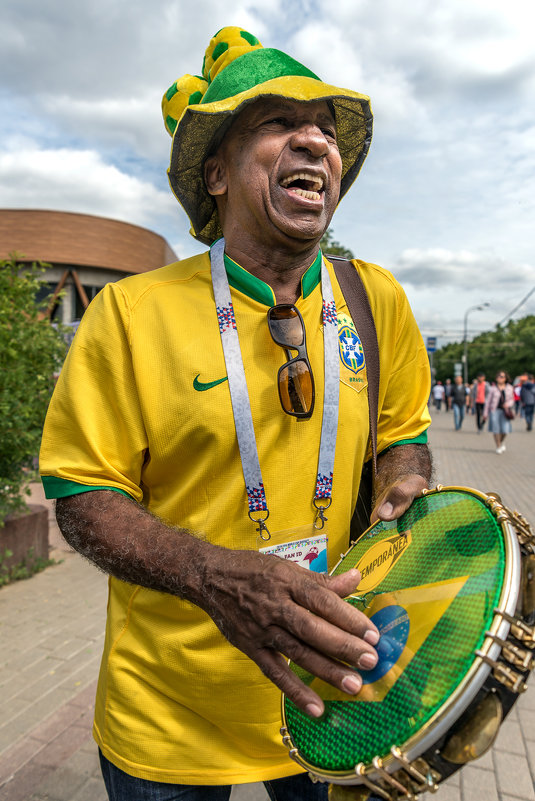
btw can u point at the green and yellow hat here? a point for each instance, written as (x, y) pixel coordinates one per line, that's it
(237, 70)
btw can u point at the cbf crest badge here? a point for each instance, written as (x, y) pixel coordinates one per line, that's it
(351, 351)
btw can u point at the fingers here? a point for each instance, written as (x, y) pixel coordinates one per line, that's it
(332, 619)
(397, 498)
(343, 584)
(275, 667)
(326, 636)
(305, 633)
(267, 607)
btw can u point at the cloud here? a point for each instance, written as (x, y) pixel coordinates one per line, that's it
(95, 72)
(110, 48)
(443, 285)
(131, 125)
(77, 180)
(447, 196)
(463, 269)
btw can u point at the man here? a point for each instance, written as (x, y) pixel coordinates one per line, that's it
(527, 396)
(478, 395)
(183, 440)
(459, 400)
(447, 394)
(439, 395)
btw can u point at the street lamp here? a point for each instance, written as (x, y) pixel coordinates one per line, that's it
(465, 338)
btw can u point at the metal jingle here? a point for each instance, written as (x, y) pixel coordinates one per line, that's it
(391, 780)
(360, 770)
(519, 629)
(477, 734)
(513, 654)
(505, 675)
(528, 585)
(432, 776)
(418, 772)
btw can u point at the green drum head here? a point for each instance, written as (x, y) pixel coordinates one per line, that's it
(430, 583)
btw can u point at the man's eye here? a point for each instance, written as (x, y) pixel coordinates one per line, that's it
(329, 133)
(277, 121)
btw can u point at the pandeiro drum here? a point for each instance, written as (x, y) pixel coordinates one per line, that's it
(451, 588)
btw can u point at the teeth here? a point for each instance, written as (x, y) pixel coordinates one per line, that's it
(316, 183)
(307, 194)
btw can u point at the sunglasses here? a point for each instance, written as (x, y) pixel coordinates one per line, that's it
(295, 380)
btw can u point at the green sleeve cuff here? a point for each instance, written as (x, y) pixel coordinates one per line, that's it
(62, 488)
(421, 439)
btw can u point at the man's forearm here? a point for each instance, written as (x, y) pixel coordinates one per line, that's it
(126, 541)
(265, 606)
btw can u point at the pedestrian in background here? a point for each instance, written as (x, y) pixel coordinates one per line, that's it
(478, 395)
(517, 389)
(447, 394)
(499, 409)
(438, 395)
(459, 401)
(527, 396)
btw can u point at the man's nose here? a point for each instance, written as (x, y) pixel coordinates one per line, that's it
(311, 138)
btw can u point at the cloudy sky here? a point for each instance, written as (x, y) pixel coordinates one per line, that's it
(446, 198)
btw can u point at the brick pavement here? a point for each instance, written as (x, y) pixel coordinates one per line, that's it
(51, 631)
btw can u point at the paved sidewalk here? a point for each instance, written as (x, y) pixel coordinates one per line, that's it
(51, 633)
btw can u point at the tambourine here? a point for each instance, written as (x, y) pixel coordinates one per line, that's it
(451, 588)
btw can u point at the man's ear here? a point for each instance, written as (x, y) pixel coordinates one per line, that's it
(215, 175)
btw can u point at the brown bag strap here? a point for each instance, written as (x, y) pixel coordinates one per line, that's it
(360, 310)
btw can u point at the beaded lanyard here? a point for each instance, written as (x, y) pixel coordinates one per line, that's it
(241, 406)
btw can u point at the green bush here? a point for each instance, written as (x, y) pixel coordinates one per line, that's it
(31, 354)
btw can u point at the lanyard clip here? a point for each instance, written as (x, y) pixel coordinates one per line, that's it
(263, 531)
(321, 519)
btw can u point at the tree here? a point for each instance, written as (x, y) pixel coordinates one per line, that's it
(510, 348)
(31, 353)
(329, 244)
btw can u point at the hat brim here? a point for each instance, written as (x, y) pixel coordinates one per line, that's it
(203, 124)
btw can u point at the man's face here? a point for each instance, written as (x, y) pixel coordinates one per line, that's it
(277, 172)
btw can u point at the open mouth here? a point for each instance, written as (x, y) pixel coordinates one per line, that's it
(304, 184)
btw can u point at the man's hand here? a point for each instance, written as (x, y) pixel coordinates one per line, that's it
(266, 607)
(397, 497)
(402, 473)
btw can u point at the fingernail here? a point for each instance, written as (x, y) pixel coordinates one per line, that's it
(367, 661)
(351, 684)
(371, 636)
(386, 509)
(314, 710)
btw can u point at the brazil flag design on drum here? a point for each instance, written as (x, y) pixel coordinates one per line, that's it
(432, 581)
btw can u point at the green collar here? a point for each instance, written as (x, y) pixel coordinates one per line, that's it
(258, 290)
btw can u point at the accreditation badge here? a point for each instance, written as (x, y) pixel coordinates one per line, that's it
(309, 552)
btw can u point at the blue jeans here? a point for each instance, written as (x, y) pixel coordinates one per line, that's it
(121, 786)
(458, 415)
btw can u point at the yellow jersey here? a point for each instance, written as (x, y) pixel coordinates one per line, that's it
(142, 406)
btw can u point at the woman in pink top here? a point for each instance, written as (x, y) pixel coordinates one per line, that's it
(500, 397)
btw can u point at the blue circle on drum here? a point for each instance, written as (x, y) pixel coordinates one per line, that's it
(393, 624)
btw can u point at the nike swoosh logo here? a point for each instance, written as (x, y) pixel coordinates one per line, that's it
(200, 386)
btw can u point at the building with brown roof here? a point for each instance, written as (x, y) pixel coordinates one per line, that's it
(84, 252)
